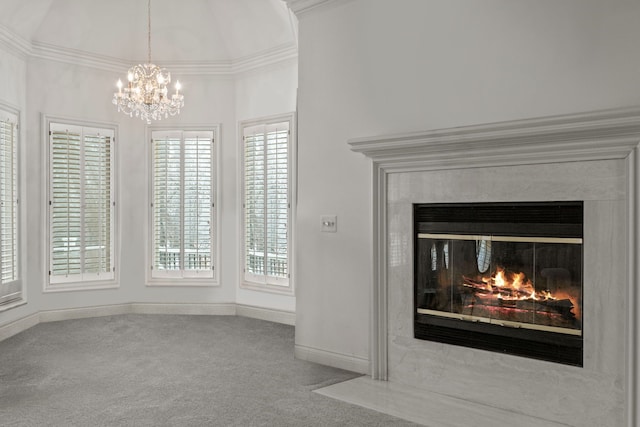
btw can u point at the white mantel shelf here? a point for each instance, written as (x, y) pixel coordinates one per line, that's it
(588, 136)
(593, 136)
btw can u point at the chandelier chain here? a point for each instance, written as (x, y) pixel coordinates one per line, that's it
(149, 31)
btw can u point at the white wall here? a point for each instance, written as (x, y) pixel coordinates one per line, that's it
(267, 91)
(371, 67)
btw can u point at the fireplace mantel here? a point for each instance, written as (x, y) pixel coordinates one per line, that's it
(588, 136)
(594, 136)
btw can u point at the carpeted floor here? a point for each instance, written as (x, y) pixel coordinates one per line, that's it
(166, 370)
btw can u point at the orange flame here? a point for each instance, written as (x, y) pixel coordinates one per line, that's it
(516, 286)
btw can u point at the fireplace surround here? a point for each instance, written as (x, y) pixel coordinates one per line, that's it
(587, 157)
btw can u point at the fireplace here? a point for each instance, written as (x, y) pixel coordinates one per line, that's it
(591, 158)
(503, 277)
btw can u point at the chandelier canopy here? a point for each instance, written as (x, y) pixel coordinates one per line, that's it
(146, 93)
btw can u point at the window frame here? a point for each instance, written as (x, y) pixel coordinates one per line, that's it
(262, 282)
(178, 279)
(65, 285)
(12, 114)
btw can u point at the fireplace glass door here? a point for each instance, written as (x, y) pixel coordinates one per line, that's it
(503, 277)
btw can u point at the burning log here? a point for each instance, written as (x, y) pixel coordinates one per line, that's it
(480, 292)
(483, 287)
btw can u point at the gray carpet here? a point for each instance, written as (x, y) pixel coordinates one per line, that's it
(165, 370)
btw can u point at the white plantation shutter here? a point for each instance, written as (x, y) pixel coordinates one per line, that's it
(267, 203)
(167, 236)
(254, 201)
(10, 286)
(81, 204)
(182, 204)
(198, 200)
(98, 202)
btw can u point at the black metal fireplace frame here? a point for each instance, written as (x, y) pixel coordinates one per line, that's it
(563, 219)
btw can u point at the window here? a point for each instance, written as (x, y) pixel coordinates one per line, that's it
(183, 205)
(267, 193)
(10, 285)
(81, 206)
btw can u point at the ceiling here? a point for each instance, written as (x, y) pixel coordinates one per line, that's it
(187, 30)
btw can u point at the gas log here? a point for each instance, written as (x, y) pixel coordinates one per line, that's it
(483, 293)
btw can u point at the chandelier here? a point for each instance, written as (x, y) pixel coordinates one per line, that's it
(146, 93)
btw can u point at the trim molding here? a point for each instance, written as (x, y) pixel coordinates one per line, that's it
(328, 358)
(17, 326)
(301, 7)
(65, 55)
(217, 309)
(213, 309)
(15, 43)
(610, 134)
(276, 55)
(277, 316)
(83, 313)
(599, 135)
(633, 332)
(25, 49)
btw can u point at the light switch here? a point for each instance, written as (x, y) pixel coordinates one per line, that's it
(329, 223)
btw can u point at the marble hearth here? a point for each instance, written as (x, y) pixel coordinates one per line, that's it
(587, 157)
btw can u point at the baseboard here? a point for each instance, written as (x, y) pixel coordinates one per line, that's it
(84, 312)
(217, 309)
(337, 360)
(17, 326)
(271, 315)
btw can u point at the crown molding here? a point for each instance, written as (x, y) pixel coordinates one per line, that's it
(77, 57)
(14, 43)
(301, 7)
(276, 55)
(183, 68)
(25, 49)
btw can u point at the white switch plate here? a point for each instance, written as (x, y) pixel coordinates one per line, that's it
(329, 223)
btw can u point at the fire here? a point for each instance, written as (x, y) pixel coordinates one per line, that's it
(510, 290)
(514, 287)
